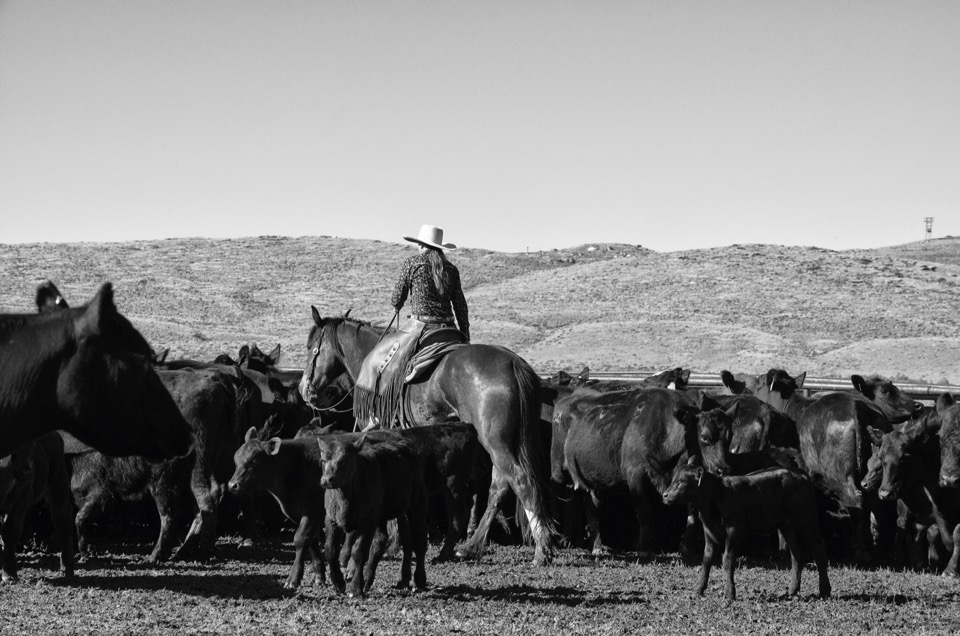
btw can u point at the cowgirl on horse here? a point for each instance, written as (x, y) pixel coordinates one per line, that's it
(432, 283)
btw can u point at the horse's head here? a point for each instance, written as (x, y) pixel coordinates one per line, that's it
(324, 359)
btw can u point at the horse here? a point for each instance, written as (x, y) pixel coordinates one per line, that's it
(85, 370)
(487, 386)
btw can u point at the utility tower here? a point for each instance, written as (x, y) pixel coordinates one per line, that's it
(928, 221)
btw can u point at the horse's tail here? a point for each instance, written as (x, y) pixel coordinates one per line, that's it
(531, 456)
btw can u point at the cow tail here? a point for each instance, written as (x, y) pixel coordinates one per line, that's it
(530, 454)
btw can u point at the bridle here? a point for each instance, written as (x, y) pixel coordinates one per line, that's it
(338, 352)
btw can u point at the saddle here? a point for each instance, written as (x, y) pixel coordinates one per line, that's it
(401, 357)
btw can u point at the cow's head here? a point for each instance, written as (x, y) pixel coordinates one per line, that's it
(339, 461)
(687, 483)
(714, 432)
(896, 406)
(255, 461)
(899, 455)
(948, 414)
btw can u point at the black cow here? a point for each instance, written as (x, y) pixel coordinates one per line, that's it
(629, 440)
(35, 471)
(762, 502)
(909, 462)
(452, 458)
(85, 370)
(948, 416)
(217, 406)
(834, 435)
(368, 485)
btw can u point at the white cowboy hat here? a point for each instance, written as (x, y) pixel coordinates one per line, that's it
(431, 236)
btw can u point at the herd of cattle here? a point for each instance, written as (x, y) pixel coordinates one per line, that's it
(90, 415)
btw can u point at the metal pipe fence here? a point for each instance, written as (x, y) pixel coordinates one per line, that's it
(810, 385)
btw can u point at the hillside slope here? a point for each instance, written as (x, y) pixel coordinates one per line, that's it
(616, 307)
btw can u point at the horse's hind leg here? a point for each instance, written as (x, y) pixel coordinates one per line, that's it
(540, 526)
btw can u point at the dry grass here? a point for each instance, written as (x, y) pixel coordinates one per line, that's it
(502, 594)
(616, 307)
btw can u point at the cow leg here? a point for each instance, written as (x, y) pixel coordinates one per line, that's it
(317, 557)
(951, 569)
(918, 537)
(692, 536)
(304, 538)
(202, 536)
(358, 557)
(334, 541)
(797, 558)
(378, 548)
(709, 550)
(644, 512)
(730, 562)
(406, 560)
(62, 514)
(417, 517)
(816, 549)
(454, 505)
(86, 508)
(167, 507)
(473, 547)
(591, 510)
(10, 533)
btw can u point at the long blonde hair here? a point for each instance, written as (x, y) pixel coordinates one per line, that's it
(436, 259)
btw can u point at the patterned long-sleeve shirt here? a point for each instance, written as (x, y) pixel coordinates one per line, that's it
(415, 280)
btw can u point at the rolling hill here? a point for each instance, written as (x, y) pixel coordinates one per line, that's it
(892, 310)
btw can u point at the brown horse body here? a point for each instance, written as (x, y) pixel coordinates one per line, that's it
(484, 385)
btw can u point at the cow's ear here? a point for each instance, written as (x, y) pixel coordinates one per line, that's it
(317, 320)
(699, 475)
(733, 385)
(944, 402)
(273, 445)
(860, 384)
(243, 352)
(732, 411)
(583, 376)
(705, 402)
(251, 434)
(684, 375)
(694, 461)
(876, 435)
(98, 310)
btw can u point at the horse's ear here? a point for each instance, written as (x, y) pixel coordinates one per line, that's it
(160, 358)
(800, 379)
(346, 314)
(98, 310)
(317, 320)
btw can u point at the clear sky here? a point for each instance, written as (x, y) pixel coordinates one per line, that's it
(512, 124)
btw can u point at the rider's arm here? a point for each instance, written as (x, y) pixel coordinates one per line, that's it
(459, 303)
(402, 287)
